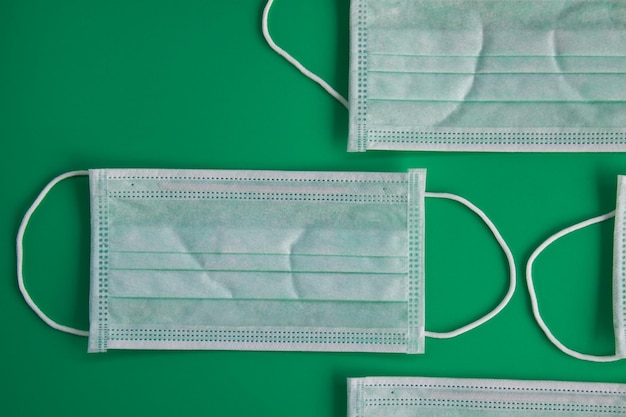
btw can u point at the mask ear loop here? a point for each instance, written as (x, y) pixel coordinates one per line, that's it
(533, 294)
(280, 51)
(509, 257)
(20, 255)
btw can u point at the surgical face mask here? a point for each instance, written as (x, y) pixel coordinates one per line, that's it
(257, 260)
(444, 397)
(619, 278)
(485, 75)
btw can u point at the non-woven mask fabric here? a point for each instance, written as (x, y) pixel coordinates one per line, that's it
(258, 260)
(619, 278)
(485, 75)
(445, 397)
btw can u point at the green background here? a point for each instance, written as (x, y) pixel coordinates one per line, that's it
(192, 84)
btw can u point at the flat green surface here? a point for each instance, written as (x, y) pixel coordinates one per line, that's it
(193, 85)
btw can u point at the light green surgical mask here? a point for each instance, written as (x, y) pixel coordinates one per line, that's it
(619, 278)
(446, 397)
(485, 75)
(257, 260)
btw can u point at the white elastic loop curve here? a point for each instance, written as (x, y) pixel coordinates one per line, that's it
(20, 255)
(280, 51)
(509, 257)
(533, 294)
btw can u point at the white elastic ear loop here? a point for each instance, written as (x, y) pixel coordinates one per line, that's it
(533, 294)
(509, 257)
(20, 255)
(280, 51)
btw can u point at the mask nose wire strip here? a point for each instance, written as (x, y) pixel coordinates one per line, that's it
(280, 51)
(533, 294)
(509, 257)
(20, 255)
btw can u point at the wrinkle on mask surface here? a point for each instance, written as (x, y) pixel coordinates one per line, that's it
(577, 24)
(293, 248)
(469, 88)
(405, 74)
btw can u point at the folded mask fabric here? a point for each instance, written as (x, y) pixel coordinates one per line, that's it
(619, 278)
(257, 260)
(444, 397)
(486, 75)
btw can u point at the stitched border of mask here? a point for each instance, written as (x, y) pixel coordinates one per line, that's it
(441, 397)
